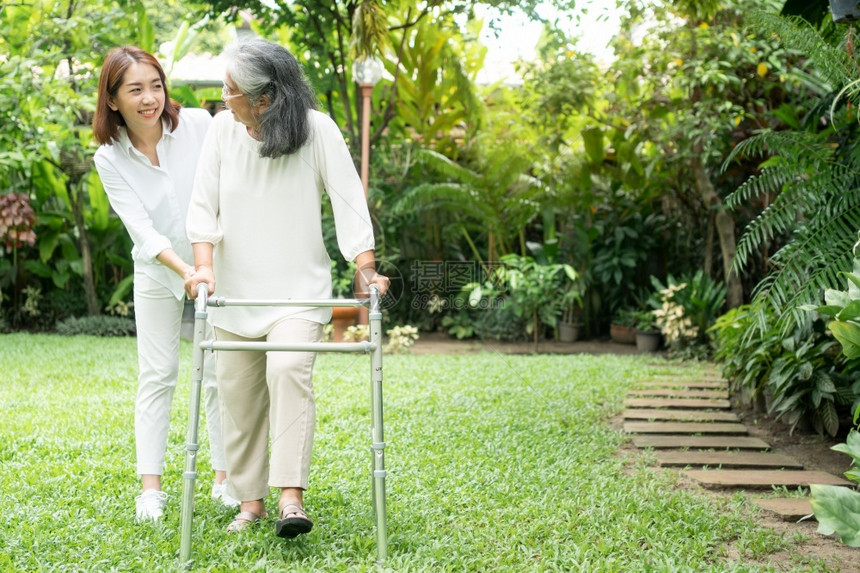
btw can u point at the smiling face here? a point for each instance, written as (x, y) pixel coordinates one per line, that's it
(140, 98)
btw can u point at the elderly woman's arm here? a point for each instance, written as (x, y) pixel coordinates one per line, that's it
(203, 272)
(367, 275)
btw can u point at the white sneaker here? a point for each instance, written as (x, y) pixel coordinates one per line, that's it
(219, 493)
(150, 505)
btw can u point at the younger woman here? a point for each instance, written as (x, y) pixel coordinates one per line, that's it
(146, 162)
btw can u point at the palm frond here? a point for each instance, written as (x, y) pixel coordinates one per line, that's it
(446, 167)
(812, 261)
(454, 197)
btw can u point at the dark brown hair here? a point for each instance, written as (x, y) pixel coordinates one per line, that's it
(106, 122)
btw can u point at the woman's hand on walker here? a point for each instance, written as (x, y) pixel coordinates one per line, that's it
(201, 275)
(381, 281)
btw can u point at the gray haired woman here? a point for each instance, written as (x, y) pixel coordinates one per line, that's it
(255, 224)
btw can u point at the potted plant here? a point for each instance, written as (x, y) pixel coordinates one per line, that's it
(570, 326)
(342, 317)
(648, 336)
(532, 291)
(622, 329)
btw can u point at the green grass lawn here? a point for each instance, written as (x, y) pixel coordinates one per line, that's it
(495, 463)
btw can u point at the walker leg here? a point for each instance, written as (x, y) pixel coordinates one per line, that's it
(192, 445)
(378, 439)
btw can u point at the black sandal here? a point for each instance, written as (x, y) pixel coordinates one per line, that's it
(293, 521)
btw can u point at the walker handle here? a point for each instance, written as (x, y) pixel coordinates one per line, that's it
(202, 296)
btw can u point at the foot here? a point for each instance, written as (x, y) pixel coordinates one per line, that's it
(294, 521)
(150, 505)
(244, 520)
(219, 493)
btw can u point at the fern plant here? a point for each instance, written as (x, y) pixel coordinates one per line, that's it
(809, 180)
(493, 197)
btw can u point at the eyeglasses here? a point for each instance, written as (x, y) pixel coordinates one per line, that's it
(227, 92)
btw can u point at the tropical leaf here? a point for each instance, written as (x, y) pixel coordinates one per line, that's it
(837, 510)
(848, 334)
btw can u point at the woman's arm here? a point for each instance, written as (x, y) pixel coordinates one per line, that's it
(137, 221)
(171, 260)
(202, 272)
(367, 275)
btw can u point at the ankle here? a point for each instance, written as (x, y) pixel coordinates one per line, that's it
(256, 506)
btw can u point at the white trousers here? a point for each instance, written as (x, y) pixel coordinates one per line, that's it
(158, 316)
(268, 395)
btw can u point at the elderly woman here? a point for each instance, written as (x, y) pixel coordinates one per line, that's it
(255, 223)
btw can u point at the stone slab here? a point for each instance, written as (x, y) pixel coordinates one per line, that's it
(704, 376)
(688, 415)
(705, 404)
(684, 428)
(786, 508)
(763, 479)
(678, 393)
(701, 442)
(682, 384)
(673, 458)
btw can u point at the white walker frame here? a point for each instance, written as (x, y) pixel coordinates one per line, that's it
(373, 346)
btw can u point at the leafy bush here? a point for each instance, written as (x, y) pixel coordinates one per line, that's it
(460, 324)
(97, 326)
(686, 308)
(836, 508)
(800, 374)
(744, 352)
(500, 323)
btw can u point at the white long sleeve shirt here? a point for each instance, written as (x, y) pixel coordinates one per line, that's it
(152, 202)
(264, 218)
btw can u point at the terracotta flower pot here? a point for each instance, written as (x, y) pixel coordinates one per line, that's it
(342, 317)
(622, 334)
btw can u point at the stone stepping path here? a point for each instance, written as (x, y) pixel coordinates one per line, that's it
(684, 384)
(676, 393)
(686, 415)
(702, 442)
(676, 403)
(689, 422)
(786, 508)
(684, 428)
(755, 479)
(727, 459)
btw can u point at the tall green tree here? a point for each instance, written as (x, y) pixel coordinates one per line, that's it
(695, 84)
(52, 48)
(329, 34)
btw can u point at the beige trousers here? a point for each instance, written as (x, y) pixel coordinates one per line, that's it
(267, 395)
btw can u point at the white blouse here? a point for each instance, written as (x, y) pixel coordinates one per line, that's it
(264, 218)
(152, 202)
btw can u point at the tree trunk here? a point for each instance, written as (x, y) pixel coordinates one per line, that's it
(76, 198)
(709, 247)
(725, 224)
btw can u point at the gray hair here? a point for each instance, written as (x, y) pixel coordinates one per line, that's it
(259, 67)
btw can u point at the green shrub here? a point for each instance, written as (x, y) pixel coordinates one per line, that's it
(799, 373)
(97, 326)
(500, 323)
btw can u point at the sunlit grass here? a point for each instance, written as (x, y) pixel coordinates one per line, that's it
(496, 463)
